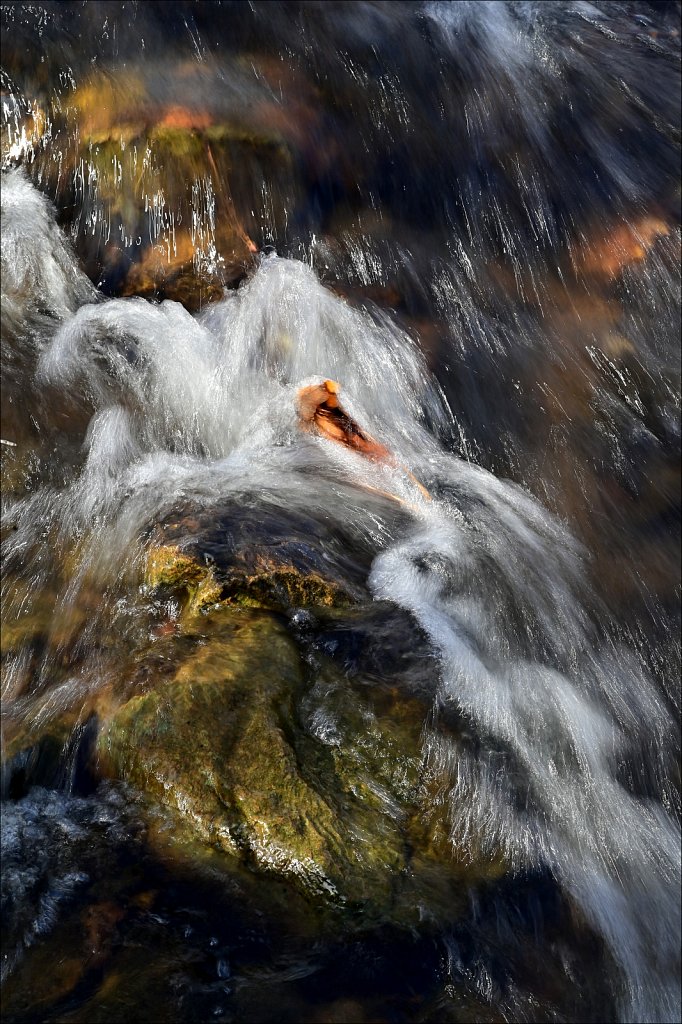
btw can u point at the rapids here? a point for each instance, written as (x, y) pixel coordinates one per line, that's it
(119, 409)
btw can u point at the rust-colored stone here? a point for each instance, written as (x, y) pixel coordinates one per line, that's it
(319, 408)
(320, 411)
(607, 256)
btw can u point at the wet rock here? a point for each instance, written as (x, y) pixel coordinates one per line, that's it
(288, 771)
(31, 130)
(237, 782)
(166, 187)
(50, 712)
(33, 616)
(15, 472)
(606, 255)
(99, 923)
(169, 567)
(169, 175)
(171, 274)
(320, 411)
(35, 757)
(271, 585)
(274, 561)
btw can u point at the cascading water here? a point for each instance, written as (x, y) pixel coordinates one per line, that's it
(543, 710)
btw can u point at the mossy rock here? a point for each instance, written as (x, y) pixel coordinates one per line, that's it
(212, 743)
(280, 562)
(293, 776)
(275, 587)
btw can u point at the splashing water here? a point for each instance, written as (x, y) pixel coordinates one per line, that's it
(203, 408)
(563, 723)
(504, 176)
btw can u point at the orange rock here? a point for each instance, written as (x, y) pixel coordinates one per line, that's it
(105, 104)
(172, 271)
(181, 117)
(608, 256)
(320, 410)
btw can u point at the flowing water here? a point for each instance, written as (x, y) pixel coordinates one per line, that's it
(476, 233)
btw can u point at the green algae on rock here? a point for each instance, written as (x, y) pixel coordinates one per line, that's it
(167, 566)
(212, 744)
(294, 777)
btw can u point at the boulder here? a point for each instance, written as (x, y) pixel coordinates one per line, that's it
(276, 719)
(290, 771)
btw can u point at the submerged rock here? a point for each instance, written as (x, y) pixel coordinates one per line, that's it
(168, 183)
(294, 750)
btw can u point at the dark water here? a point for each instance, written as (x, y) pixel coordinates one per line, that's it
(468, 214)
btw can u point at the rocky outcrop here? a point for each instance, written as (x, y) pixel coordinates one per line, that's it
(290, 771)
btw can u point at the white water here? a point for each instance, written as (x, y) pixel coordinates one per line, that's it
(204, 408)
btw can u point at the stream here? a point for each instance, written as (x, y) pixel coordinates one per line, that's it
(369, 713)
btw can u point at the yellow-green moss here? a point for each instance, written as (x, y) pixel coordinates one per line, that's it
(168, 566)
(275, 588)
